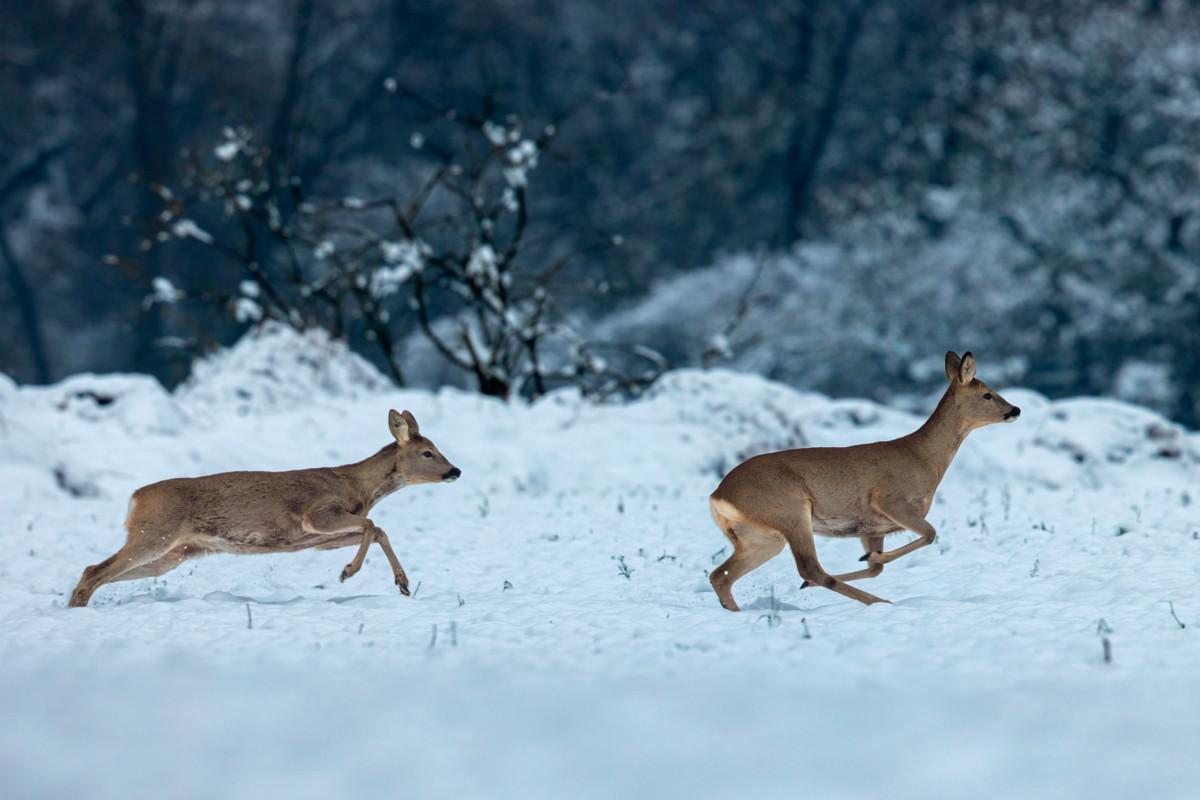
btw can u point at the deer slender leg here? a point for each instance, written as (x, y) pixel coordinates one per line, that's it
(385, 545)
(148, 547)
(356, 563)
(381, 539)
(799, 534)
(173, 558)
(752, 547)
(871, 544)
(909, 518)
(341, 526)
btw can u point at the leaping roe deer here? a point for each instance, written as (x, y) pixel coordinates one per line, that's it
(270, 512)
(868, 491)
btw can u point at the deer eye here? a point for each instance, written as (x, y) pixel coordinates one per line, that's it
(987, 396)
(428, 454)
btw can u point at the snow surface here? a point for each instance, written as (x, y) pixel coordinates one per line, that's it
(527, 664)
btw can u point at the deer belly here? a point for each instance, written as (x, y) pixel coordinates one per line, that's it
(848, 526)
(260, 540)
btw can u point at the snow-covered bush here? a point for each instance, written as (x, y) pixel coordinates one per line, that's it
(446, 260)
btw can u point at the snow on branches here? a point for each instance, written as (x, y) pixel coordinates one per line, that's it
(445, 256)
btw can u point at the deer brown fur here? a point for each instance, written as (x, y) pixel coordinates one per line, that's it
(868, 491)
(270, 512)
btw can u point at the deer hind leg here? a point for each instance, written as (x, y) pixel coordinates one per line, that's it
(149, 546)
(172, 559)
(752, 547)
(799, 535)
(871, 544)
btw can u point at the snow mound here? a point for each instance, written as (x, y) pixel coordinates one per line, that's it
(138, 404)
(275, 367)
(1105, 439)
(1118, 433)
(740, 415)
(55, 435)
(561, 604)
(1082, 442)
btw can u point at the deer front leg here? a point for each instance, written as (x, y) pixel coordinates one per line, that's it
(381, 539)
(332, 521)
(906, 516)
(351, 569)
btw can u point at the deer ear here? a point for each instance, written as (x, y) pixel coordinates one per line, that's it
(953, 364)
(966, 373)
(399, 425)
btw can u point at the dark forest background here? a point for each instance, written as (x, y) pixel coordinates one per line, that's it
(514, 193)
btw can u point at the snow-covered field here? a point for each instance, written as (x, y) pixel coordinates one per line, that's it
(562, 640)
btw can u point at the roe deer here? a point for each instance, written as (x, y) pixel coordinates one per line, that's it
(270, 512)
(868, 491)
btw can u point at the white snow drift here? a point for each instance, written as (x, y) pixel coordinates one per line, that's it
(563, 640)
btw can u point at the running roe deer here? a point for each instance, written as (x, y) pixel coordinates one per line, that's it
(868, 491)
(270, 512)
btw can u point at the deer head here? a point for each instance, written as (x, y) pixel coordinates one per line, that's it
(973, 400)
(417, 460)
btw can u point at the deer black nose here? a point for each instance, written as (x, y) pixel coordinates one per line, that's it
(1016, 412)
(452, 475)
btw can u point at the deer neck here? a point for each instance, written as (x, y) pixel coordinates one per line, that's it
(376, 476)
(937, 441)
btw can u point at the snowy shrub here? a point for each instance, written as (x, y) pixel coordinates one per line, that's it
(446, 260)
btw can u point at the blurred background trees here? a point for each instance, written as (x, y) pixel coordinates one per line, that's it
(763, 185)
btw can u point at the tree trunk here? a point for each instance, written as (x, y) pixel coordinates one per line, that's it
(492, 386)
(27, 306)
(805, 151)
(150, 83)
(11, 186)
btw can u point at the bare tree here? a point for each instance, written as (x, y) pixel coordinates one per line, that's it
(448, 257)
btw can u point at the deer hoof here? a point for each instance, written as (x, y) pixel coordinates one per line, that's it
(346, 573)
(805, 585)
(402, 583)
(867, 557)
